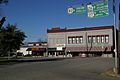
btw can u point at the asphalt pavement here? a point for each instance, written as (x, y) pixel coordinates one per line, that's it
(61, 69)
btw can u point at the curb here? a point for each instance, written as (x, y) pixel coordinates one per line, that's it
(111, 73)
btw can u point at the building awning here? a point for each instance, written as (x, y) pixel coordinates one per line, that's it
(36, 49)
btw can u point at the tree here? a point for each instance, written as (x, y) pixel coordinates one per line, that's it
(3, 1)
(3, 18)
(2, 21)
(11, 38)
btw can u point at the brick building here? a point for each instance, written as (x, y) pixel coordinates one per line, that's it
(95, 41)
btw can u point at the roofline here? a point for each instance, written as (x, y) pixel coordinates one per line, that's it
(37, 42)
(79, 29)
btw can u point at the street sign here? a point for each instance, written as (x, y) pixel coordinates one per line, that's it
(98, 9)
(76, 9)
(79, 8)
(71, 10)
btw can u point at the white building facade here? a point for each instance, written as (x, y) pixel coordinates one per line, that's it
(34, 49)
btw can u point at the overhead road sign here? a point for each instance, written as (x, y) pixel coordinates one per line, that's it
(98, 9)
(76, 9)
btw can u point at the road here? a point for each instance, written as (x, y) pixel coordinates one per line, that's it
(64, 69)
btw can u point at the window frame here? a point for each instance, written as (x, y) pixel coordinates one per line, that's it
(106, 38)
(81, 39)
(69, 40)
(90, 39)
(73, 40)
(93, 39)
(102, 39)
(98, 39)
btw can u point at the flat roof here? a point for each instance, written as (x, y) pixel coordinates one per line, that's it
(37, 42)
(57, 30)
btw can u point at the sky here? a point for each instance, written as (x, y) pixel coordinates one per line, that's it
(34, 17)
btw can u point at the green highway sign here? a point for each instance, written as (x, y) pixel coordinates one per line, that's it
(79, 8)
(76, 9)
(98, 9)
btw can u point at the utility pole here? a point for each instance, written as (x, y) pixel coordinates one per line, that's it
(119, 42)
(115, 39)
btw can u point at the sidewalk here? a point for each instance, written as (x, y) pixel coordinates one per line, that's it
(111, 73)
(34, 59)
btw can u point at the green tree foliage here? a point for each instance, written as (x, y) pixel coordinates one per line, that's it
(11, 38)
